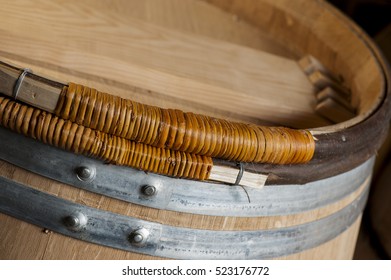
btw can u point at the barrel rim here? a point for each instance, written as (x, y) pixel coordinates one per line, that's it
(342, 146)
(340, 150)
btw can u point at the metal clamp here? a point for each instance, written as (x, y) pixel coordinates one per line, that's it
(19, 82)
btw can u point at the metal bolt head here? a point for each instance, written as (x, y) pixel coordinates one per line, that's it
(71, 221)
(75, 222)
(85, 173)
(139, 237)
(149, 190)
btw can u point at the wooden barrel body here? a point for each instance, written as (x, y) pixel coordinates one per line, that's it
(211, 57)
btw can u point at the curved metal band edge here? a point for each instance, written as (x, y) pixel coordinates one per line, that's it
(113, 230)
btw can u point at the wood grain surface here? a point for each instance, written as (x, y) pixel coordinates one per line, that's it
(326, 34)
(195, 68)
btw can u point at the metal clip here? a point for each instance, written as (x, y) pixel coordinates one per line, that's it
(19, 82)
(240, 174)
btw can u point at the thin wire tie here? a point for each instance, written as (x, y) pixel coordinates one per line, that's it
(240, 174)
(19, 82)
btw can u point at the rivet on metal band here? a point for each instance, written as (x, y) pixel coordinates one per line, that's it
(139, 237)
(19, 82)
(86, 173)
(75, 222)
(148, 190)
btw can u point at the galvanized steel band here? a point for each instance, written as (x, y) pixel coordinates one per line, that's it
(130, 234)
(180, 195)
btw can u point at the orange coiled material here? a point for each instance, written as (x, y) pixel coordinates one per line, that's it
(187, 132)
(78, 139)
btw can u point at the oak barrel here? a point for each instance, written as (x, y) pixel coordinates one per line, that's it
(240, 60)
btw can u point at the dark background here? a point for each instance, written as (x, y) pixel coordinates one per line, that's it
(372, 15)
(374, 241)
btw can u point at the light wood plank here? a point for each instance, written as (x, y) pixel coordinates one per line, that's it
(324, 33)
(196, 68)
(194, 17)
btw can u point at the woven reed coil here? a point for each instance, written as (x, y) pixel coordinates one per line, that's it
(67, 135)
(186, 132)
